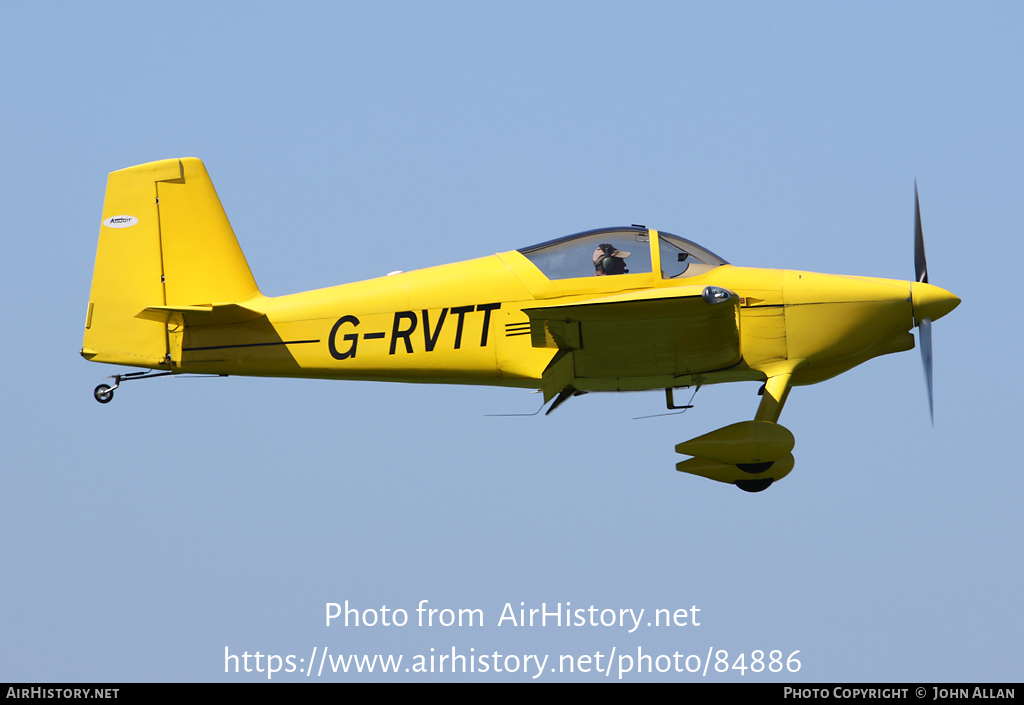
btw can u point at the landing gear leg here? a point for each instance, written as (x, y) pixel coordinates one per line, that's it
(104, 392)
(773, 397)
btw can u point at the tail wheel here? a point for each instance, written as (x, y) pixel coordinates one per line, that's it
(103, 393)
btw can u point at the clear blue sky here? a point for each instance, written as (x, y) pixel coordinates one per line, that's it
(141, 538)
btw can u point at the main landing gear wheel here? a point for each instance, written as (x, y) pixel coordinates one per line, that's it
(755, 485)
(103, 393)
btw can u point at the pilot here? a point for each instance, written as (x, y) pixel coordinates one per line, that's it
(609, 260)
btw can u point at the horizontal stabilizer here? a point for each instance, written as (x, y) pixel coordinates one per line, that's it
(203, 315)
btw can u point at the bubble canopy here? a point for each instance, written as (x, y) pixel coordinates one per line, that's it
(575, 255)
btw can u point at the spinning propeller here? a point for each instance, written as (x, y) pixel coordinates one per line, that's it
(930, 303)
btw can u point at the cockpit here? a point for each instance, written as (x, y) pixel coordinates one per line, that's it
(612, 251)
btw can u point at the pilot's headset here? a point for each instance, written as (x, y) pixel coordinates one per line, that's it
(607, 263)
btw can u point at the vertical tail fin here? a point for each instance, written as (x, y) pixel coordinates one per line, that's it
(164, 241)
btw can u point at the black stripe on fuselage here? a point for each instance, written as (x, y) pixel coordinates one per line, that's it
(250, 345)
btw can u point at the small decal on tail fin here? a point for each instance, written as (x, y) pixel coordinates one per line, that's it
(120, 221)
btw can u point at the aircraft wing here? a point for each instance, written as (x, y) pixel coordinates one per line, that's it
(670, 331)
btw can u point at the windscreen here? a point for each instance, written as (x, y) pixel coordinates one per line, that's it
(678, 254)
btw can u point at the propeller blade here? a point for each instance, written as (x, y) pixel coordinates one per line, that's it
(924, 333)
(920, 265)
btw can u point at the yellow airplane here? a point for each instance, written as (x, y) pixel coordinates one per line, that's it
(618, 309)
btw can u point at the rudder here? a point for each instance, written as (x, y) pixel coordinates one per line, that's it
(164, 241)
